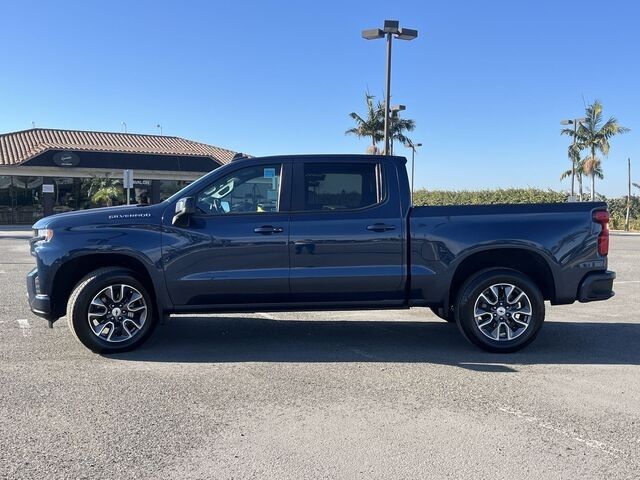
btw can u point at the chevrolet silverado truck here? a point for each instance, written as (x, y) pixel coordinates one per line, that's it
(316, 232)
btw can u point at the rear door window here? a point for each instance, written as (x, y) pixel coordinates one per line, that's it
(341, 186)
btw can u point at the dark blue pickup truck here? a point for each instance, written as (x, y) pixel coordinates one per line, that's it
(318, 232)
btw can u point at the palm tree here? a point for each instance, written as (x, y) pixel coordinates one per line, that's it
(592, 167)
(573, 152)
(594, 136)
(104, 190)
(371, 125)
(398, 128)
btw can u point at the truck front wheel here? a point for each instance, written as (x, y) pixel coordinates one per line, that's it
(110, 311)
(500, 310)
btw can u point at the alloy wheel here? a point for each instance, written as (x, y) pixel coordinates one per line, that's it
(502, 312)
(117, 313)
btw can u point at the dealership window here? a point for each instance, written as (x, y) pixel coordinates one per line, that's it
(141, 192)
(20, 199)
(333, 186)
(247, 190)
(66, 195)
(169, 187)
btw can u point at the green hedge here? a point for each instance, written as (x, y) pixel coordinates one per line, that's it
(618, 210)
(617, 206)
(475, 197)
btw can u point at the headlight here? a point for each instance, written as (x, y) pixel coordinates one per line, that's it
(45, 233)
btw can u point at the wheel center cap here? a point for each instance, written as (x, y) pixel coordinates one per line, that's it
(501, 311)
(116, 312)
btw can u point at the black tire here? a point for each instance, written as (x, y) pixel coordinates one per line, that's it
(440, 312)
(81, 298)
(471, 291)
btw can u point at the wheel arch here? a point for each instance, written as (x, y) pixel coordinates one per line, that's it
(73, 270)
(526, 261)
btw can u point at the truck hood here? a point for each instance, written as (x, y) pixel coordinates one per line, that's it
(121, 215)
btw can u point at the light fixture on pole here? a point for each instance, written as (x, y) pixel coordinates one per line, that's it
(575, 122)
(413, 147)
(124, 127)
(391, 28)
(159, 127)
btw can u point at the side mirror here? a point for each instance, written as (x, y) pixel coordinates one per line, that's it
(184, 207)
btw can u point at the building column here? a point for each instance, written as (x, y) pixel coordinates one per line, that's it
(155, 191)
(48, 197)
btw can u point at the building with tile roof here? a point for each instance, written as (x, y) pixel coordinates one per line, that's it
(44, 171)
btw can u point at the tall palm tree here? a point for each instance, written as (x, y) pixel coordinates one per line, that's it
(594, 136)
(371, 125)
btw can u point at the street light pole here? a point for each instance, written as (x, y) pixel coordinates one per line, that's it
(413, 147)
(393, 115)
(387, 95)
(391, 28)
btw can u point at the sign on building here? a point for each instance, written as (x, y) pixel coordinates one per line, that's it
(127, 178)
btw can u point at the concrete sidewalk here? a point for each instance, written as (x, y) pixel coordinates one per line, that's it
(16, 231)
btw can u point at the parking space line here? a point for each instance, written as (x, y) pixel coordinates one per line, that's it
(566, 432)
(25, 327)
(626, 281)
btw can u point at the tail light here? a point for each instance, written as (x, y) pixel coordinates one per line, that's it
(602, 218)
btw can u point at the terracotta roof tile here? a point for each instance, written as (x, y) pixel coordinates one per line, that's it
(18, 147)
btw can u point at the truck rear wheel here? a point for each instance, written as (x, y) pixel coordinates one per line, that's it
(446, 315)
(500, 310)
(110, 311)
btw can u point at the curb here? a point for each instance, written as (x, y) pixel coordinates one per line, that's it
(622, 233)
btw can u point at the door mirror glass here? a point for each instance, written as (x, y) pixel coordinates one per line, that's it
(184, 207)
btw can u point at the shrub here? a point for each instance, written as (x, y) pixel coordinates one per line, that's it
(617, 206)
(477, 197)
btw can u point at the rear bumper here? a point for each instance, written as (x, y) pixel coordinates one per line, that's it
(596, 286)
(38, 303)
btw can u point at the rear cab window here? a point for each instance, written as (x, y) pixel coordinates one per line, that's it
(341, 186)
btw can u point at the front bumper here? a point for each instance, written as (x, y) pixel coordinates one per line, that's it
(596, 286)
(40, 304)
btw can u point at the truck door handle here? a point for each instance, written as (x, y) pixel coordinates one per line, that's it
(380, 227)
(268, 229)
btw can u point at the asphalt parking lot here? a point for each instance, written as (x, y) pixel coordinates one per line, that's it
(389, 394)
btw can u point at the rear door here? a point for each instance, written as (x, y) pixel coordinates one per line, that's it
(346, 232)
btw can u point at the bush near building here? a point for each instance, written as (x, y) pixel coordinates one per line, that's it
(617, 206)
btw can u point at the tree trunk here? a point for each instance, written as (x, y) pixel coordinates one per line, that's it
(626, 220)
(580, 185)
(593, 175)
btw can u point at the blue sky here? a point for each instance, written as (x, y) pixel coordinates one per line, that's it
(487, 82)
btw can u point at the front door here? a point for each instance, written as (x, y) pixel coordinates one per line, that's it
(346, 241)
(234, 249)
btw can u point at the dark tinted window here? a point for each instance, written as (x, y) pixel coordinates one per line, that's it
(339, 186)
